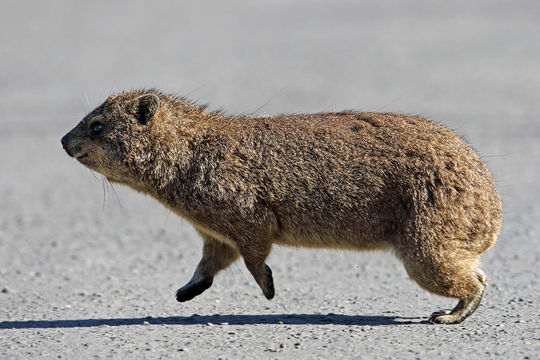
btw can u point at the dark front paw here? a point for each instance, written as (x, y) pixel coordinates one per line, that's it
(190, 290)
(269, 291)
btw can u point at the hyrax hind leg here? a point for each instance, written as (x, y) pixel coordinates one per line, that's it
(454, 277)
(465, 307)
(217, 255)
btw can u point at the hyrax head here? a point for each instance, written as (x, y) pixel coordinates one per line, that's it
(111, 139)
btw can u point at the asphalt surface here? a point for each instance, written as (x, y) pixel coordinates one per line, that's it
(90, 271)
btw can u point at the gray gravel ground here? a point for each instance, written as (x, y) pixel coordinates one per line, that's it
(89, 271)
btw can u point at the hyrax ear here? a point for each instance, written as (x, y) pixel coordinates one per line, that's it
(144, 107)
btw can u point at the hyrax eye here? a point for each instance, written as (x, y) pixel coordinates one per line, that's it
(96, 128)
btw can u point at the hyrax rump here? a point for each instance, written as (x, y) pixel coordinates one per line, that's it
(346, 180)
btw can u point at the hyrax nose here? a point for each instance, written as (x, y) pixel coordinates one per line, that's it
(65, 142)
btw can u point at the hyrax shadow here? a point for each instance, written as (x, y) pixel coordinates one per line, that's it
(348, 180)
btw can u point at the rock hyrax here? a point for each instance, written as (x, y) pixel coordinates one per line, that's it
(346, 180)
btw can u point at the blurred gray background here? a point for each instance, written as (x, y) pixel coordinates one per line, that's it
(86, 270)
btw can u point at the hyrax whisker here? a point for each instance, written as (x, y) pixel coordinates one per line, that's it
(103, 187)
(94, 175)
(114, 193)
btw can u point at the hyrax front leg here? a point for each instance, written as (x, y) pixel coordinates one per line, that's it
(254, 258)
(263, 276)
(216, 256)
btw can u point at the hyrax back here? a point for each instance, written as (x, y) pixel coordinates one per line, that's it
(348, 180)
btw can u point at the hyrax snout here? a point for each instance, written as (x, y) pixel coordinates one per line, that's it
(348, 180)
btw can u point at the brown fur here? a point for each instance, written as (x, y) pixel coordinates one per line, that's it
(347, 180)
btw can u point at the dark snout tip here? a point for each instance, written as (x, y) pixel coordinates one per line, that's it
(65, 140)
